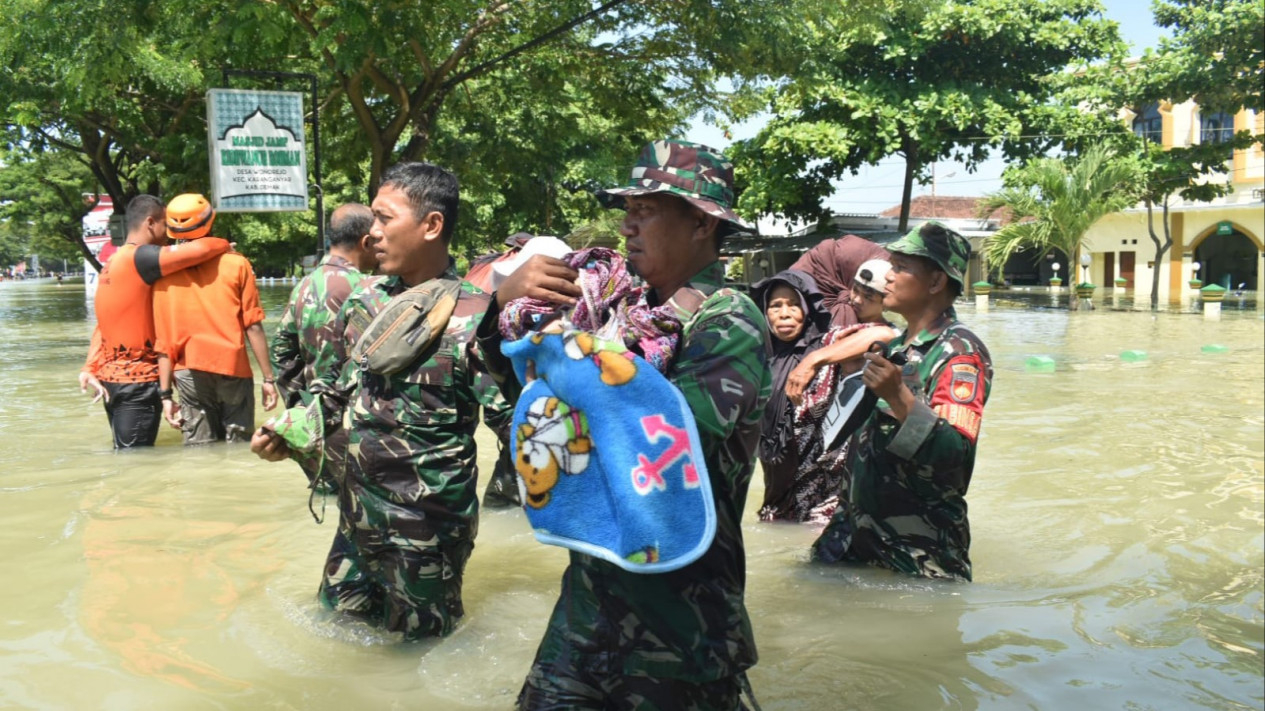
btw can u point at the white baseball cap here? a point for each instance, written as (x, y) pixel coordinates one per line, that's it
(543, 244)
(873, 274)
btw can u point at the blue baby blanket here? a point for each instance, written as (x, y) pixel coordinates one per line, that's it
(608, 455)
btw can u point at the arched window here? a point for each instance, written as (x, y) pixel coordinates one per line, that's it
(1216, 127)
(1148, 125)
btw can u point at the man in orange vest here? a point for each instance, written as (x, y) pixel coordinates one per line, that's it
(204, 317)
(122, 366)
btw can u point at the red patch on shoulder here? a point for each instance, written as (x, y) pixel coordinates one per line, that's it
(964, 382)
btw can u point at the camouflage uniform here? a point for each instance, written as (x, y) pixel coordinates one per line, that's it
(408, 508)
(307, 343)
(906, 507)
(677, 639)
(682, 639)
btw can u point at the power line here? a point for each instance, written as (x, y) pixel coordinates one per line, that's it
(901, 185)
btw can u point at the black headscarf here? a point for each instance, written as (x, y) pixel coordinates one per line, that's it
(785, 355)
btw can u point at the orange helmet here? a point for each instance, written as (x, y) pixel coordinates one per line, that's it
(189, 216)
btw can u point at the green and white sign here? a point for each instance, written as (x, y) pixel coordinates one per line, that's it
(258, 150)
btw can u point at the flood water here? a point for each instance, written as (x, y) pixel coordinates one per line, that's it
(1117, 511)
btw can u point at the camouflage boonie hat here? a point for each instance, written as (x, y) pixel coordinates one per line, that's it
(698, 174)
(948, 249)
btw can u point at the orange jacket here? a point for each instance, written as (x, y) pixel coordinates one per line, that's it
(122, 349)
(201, 315)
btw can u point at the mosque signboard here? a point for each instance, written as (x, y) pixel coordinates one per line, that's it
(258, 150)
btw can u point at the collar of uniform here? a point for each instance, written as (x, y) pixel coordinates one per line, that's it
(337, 260)
(707, 280)
(937, 327)
(395, 285)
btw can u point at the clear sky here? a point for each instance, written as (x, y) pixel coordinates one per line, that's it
(878, 187)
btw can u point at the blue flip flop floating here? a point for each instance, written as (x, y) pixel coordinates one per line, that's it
(608, 456)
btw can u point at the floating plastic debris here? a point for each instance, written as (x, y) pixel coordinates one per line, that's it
(1133, 356)
(1214, 348)
(1039, 364)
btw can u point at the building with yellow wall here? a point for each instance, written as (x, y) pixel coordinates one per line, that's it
(1224, 236)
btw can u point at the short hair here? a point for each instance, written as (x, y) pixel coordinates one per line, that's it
(348, 223)
(141, 207)
(429, 188)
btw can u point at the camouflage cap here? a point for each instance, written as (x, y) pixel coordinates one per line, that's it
(698, 174)
(948, 249)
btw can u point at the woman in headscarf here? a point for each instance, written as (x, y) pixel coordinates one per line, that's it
(833, 263)
(802, 480)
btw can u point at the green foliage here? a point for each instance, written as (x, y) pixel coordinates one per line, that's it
(928, 81)
(1053, 202)
(43, 208)
(1216, 56)
(530, 132)
(601, 232)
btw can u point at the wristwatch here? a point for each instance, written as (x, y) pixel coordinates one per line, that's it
(164, 394)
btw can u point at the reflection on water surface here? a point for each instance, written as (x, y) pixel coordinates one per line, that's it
(1119, 544)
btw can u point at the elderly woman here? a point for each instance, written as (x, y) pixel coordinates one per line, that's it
(802, 480)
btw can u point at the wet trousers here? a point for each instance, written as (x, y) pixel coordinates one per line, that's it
(134, 410)
(563, 686)
(215, 407)
(407, 586)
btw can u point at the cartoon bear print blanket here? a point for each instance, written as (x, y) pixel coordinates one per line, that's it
(608, 455)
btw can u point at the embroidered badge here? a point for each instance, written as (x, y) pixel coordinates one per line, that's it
(964, 383)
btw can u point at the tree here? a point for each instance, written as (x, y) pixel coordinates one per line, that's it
(398, 65)
(1054, 201)
(124, 98)
(44, 201)
(1217, 57)
(951, 79)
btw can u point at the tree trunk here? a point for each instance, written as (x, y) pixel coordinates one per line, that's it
(910, 149)
(83, 249)
(1160, 249)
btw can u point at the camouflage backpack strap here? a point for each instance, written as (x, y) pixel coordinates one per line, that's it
(406, 327)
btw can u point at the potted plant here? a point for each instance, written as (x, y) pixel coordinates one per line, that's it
(1085, 290)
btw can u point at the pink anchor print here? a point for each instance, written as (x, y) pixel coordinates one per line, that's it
(648, 475)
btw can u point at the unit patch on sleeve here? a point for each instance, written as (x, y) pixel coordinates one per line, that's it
(964, 382)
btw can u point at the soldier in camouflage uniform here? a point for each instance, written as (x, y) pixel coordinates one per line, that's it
(906, 507)
(408, 508)
(681, 639)
(306, 343)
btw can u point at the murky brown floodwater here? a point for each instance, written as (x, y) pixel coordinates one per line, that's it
(1119, 548)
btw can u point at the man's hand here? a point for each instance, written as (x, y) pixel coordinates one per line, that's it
(171, 413)
(543, 278)
(88, 379)
(799, 379)
(883, 377)
(269, 446)
(269, 391)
